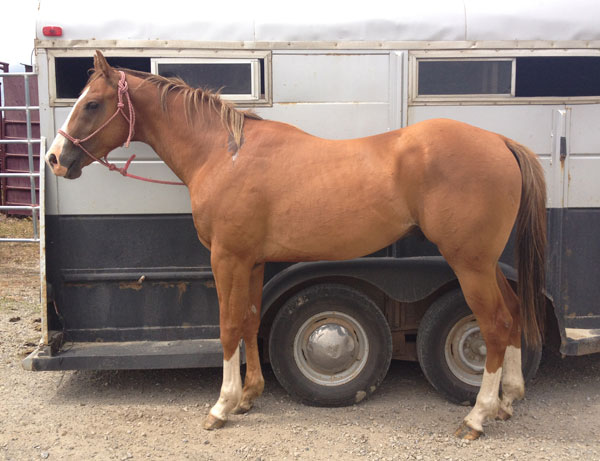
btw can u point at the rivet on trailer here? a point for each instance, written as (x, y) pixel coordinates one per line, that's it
(370, 72)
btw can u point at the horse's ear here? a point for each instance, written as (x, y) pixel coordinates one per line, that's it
(101, 64)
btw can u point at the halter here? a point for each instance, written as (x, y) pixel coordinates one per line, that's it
(123, 88)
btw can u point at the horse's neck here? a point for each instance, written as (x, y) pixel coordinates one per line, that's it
(184, 146)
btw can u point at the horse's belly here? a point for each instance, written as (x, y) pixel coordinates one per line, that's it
(333, 232)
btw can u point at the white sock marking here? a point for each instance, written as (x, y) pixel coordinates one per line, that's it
(487, 400)
(513, 385)
(231, 389)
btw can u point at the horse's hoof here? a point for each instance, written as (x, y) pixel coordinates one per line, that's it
(503, 415)
(466, 433)
(212, 422)
(243, 407)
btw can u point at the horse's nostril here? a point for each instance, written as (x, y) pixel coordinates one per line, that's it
(52, 159)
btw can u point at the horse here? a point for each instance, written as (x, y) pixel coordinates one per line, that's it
(462, 187)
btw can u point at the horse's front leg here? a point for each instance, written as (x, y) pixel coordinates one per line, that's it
(254, 382)
(232, 277)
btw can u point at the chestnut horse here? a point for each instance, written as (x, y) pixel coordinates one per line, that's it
(266, 191)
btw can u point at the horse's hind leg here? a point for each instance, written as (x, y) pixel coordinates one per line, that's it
(513, 384)
(485, 299)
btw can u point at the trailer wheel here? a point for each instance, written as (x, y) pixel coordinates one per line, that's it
(330, 345)
(452, 352)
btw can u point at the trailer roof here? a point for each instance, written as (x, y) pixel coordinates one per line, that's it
(317, 20)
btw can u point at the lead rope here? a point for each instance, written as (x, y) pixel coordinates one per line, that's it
(123, 89)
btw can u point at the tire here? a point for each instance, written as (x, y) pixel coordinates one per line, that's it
(448, 327)
(330, 345)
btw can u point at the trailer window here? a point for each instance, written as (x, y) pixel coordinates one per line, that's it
(558, 76)
(240, 80)
(71, 73)
(508, 78)
(464, 77)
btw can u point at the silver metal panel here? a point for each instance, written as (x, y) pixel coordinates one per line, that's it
(397, 89)
(529, 125)
(582, 163)
(51, 185)
(330, 78)
(585, 129)
(546, 162)
(583, 187)
(333, 121)
(100, 191)
(47, 130)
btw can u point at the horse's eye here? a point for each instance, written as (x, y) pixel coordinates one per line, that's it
(92, 105)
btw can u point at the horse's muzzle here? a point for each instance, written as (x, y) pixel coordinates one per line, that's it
(64, 159)
(54, 164)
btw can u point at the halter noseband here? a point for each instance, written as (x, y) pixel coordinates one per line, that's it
(123, 89)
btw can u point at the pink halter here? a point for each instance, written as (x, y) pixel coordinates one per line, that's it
(123, 88)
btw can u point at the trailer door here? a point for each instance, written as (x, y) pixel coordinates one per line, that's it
(577, 166)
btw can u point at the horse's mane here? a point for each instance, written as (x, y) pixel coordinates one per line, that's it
(195, 99)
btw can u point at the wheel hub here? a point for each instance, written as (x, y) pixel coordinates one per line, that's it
(331, 348)
(472, 349)
(466, 351)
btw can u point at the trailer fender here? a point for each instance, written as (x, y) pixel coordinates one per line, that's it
(402, 279)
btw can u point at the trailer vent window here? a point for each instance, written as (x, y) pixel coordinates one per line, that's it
(71, 74)
(239, 80)
(464, 77)
(565, 76)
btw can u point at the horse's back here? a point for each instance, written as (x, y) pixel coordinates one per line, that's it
(303, 197)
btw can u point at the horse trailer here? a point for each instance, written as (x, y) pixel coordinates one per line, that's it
(128, 285)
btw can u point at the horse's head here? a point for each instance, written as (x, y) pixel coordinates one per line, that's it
(93, 114)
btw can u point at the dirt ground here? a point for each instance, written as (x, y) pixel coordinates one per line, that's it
(120, 415)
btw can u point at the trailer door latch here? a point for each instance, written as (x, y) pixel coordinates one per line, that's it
(563, 148)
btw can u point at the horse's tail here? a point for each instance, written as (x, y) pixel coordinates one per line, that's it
(531, 243)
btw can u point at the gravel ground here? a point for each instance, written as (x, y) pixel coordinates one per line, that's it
(120, 415)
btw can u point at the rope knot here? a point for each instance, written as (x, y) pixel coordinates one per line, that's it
(111, 166)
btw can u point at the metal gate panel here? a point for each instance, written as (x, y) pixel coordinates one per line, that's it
(20, 125)
(28, 157)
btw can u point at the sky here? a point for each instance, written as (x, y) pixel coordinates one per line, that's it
(17, 32)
